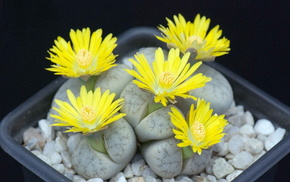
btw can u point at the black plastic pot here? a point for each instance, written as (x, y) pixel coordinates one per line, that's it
(253, 99)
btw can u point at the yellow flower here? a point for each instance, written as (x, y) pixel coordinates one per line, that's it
(167, 78)
(193, 37)
(88, 54)
(88, 113)
(201, 129)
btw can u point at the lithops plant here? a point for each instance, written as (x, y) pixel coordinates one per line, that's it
(149, 100)
(88, 103)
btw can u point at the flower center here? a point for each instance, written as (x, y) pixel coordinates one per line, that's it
(84, 58)
(198, 131)
(193, 38)
(166, 78)
(88, 114)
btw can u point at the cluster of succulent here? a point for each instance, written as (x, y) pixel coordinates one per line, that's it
(165, 103)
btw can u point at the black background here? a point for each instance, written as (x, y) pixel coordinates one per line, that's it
(258, 31)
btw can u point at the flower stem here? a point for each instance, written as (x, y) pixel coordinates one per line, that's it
(89, 83)
(187, 152)
(96, 141)
(153, 106)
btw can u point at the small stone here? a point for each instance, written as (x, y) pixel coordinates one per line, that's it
(233, 175)
(231, 131)
(73, 141)
(137, 167)
(36, 152)
(45, 159)
(248, 118)
(199, 179)
(55, 157)
(168, 179)
(32, 144)
(236, 144)
(183, 179)
(59, 167)
(222, 180)
(148, 172)
(254, 146)
(95, 180)
(69, 171)
(211, 178)
(235, 120)
(118, 178)
(247, 130)
(78, 178)
(150, 178)
(128, 172)
(46, 130)
(219, 146)
(263, 138)
(60, 144)
(274, 138)
(33, 133)
(242, 160)
(221, 168)
(66, 159)
(224, 150)
(69, 176)
(49, 148)
(136, 179)
(264, 127)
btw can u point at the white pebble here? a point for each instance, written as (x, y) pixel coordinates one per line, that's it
(32, 144)
(231, 131)
(78, 178)
(264, 127)
(211, 178)
(73, 142)
(199, 179)
(45, 159)
(248, 118)
(219, 146)
(254, 146)
(224, 150)
(46, 130)
(49, 148)
(118, 178)
(242, 160)
(168, 179)
(247, 130)
(95, 180)
(148, 172)
(59, 167)
(150, 178)
(33, 133)
(222, 180)
(274, 138)
(236, 144)
(66, 159)
(55, 157)
(128, 172)
(182, 178)
(69, 176)
(36, 152)
(137, 167)
(221, 168)
(136, 179)
(235, 120)
(233, 175)
(69, 171)
(60, 144)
